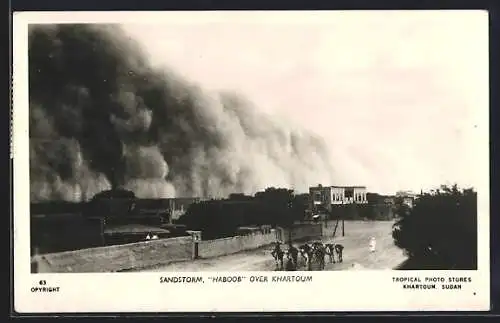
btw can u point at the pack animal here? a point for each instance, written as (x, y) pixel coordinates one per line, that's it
(319, 254)
(339, 249)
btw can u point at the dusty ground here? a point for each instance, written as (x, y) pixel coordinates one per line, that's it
(356, 253)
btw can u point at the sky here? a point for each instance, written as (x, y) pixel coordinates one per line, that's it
(400, 97)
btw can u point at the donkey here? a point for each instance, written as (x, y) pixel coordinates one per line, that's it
(319, 253)
(339, 249)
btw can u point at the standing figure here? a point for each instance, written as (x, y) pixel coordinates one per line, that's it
(339, 249)
(310, 254)
(278, 254)
(290, 264)
(304, 251)
(373, 244)
(330, 251)
(293, 253)
(307, 254)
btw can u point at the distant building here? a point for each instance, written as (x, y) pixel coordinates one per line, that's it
(407, 197)
(110, 217)
(127, 207)
(322, 198)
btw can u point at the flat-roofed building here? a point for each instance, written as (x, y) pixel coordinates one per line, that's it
(322, 198)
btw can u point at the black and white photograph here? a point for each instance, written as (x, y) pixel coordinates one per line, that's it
(242, 143)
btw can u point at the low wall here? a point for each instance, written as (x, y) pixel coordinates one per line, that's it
(300, 232)
(226, 246)
(119, 257)
(161, 252)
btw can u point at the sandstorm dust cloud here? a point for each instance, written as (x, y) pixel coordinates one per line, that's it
(102, 117)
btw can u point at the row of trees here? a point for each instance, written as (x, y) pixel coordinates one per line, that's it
(274, 206)
(440, 230)
(221, 218)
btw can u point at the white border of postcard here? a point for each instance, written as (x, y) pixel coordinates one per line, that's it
(143, 292)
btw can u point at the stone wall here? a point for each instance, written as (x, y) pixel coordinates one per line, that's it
(226, 246)
(300, 232)
(118, 258)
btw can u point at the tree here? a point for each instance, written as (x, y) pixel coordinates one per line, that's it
(440, 230)
(277, 205)
(214, 218)
(373, 198)
(300, 205)
(220, 218)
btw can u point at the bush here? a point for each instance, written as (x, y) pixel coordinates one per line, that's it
(440, 230)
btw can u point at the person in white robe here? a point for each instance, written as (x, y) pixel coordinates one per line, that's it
(373, 244)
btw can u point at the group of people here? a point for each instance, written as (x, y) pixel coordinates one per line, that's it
(316, 251)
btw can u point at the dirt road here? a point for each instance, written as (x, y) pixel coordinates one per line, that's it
(356, 253)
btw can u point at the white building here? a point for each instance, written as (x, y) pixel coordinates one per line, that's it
(407, 197)
(326, 196)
